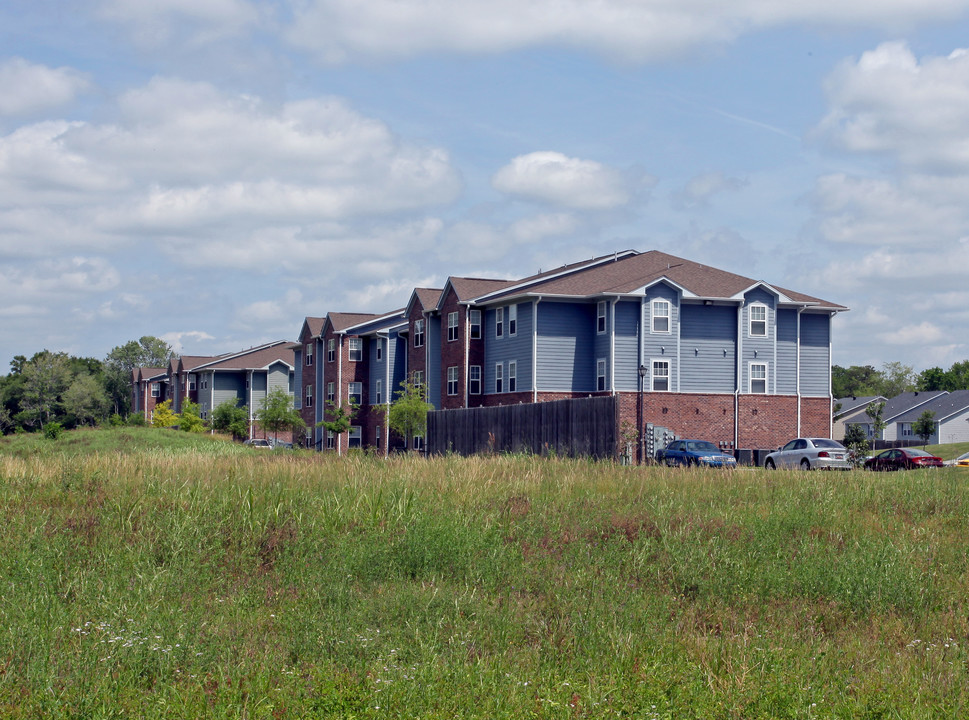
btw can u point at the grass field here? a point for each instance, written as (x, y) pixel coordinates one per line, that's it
(147, 573)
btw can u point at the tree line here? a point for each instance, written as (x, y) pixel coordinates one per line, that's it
(895, 378)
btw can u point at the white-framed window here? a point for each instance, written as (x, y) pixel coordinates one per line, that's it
(419, 333)
(452, 380)
(376, 436)
(330, 440)
(155, 390)
(356, 349)
(474, 319)
(661, 316)
(355, 393)
(601, 317)
(758, 378)
(906, 429)
(309, 396)
(308, 353)
(660, 378)
(601, 374)
(380, 349)
(452, 326)
(499, 321)
(354, 437)
(499, 380)
(331, 350)
(474, 380)
(418, 442)
(204, 383)
(512, 320)
(758, 320)
(330, 393)
(191, 382)
(512, 376)
(379, 392)
(418, 378)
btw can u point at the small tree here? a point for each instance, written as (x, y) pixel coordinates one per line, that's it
(408, 413)
(191, 418)
(163, 416)
(874, 411)
(924, 427)
(231, 418)
(857, 444)
(277, 413)
(337, 420)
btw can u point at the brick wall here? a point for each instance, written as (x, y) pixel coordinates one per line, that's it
(452, 353)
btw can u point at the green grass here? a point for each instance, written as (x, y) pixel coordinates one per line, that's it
(208, 580)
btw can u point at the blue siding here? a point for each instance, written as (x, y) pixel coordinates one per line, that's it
(516, 347)
(786, 373)
(566, 334)
(627, 345)
(758, 349)
(705, 333)
(378, 370)
(298, 380)
(661, 345)
(397, 357)
(433, 371)
(815, 355)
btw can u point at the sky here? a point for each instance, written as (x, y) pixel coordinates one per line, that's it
(213, 171)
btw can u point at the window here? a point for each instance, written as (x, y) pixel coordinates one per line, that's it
(418, 333)
(418, 442)
(601, 316)
(331, 350)
(308, 353)
(379, 349)
(474, 380)
(452, 326)
(356, 349)
(418, 378)
(379, 392)
(355, 393)
(499, 322)
(758, 320)
(758, 378)
(661, 375)
(309, 396)
(498, 380)
(512, 320)
(475, 318)
(661, 316)
(155, 390)
(512, 376)
(191, 382)
(330, 397)
(354, 437)
(452, 380)
(330, 440)
(377, 437)
(601, 374)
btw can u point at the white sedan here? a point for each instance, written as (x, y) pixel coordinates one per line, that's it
(809, 454)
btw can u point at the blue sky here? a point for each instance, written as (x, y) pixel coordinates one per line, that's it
(212, 171)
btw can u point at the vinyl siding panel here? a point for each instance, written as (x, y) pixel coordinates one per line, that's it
(705, 333)
(627, 345)
(258, 391)
(661, 345)
(228, 386)
(397, 357)
(759, 349)
(516, 347)
(815, 355)
(786, 372)
(298, 380)
(377, 370)
(955, 429)
(432, 376)
(278, 377)
(566, 359)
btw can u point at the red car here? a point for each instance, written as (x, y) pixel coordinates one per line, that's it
(902, 459)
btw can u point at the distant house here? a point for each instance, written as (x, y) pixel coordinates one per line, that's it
(895, 408)
(848, 407)
(951, 417)
(149, 387)
(702, 351)
(306, 361)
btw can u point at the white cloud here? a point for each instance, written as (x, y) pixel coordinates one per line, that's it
(337, 30)
(27, 88)
(153, 23)
(553, 178)
(177, 339)
(701, 188)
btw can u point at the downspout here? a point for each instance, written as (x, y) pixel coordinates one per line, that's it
(248, 400)
(339, 390)
(830, 397)
(797, 367)
(467, 349)
(679, 360)
(612, 346)
(739, 366)
(387, 396)
(534, 350)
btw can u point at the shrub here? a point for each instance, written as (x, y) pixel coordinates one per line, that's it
(53, 430)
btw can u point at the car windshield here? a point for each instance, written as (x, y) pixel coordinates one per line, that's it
(702, 446)
(918, 453)
(964, 456)
(825, 443)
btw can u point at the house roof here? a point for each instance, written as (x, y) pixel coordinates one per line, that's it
(190, 362)
(146, 373)
(853, 403)
(944, 406)
(340, 321)
(256, 358)
(312, 327)
(427, 297)
(898, 405)
(629, 273)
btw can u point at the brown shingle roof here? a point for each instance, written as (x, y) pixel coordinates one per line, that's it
(341, 321)
(314, 325)
(257, 358)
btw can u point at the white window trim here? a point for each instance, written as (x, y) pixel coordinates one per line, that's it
(499, 322)
(750, 320)
(512, 376)
(471, 379)
(475, 324)
(350, 392)
(330, 392)
(308, 354)
(512, 320)
(378, 391)
(653, 376)
(355, 433)
(331, 350)
(309, 396)
(601, 317)
(499, 379)
(668, 316)
(454, 326)
(601, 370)
(419, 333)
(418, 378)
(453, 368)
(750, 377)
(358, 351)
(379, 351)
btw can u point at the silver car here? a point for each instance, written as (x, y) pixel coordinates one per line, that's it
(810, 454)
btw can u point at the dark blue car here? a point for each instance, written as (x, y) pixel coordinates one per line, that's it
(695, 452)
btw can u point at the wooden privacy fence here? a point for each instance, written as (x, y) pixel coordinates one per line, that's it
(583, 427)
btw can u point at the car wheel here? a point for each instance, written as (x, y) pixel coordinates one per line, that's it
(805, 465)
(769, 465)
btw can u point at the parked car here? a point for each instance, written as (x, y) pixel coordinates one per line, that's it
(902, 459)
(810, 454)
(962, 460)
(261, 443)
(695, 452)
